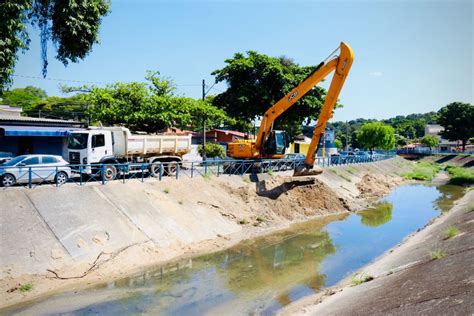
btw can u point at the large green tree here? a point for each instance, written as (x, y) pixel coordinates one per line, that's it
(71, 25)
(376, 135)
(256, 82)
(457, 119)
(430, 141)
(148, 107)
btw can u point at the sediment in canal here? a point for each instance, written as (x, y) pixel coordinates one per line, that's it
(55, 238)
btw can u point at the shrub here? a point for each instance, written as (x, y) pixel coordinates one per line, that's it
(213, 150)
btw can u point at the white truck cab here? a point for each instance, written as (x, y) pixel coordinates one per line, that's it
(116, 145)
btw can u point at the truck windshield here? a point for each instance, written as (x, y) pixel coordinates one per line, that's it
(77, 141)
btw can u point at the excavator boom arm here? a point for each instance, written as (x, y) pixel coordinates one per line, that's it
(341, 65)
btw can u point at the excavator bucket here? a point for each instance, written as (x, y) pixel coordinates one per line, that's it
(306, 171)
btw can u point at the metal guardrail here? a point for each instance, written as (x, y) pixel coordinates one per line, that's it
(427, 151)
(83, 174)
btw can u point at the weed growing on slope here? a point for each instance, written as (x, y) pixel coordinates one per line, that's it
(460, 176)
(246, 179)
(423, 170)
(166, 190)
(26, 287)
(359, 279)
(207, 176)
(451, 232)
(243, 221)
(437, 254)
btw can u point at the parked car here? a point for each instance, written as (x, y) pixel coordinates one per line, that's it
(291, 160)
(4, 156)
(43, 168)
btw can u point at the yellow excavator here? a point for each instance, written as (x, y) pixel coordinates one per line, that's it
(272, 143)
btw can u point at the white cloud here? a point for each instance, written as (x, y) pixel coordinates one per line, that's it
(376, 74)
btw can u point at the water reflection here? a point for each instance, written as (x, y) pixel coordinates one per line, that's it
(449, 194)
(376, 216)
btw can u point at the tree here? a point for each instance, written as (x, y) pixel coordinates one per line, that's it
(338, 143)
(256, 81)
(24, 97)
(457, 119)
(72, 26)
(213, 150)
(148, 107)
(430, 141)
(376, 135)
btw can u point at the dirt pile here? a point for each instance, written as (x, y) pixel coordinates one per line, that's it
(282, 197)
(376, 185)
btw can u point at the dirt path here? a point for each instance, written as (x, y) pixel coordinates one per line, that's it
(408, 281)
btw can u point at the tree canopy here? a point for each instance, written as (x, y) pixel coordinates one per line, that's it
(148, 107)
(72, 26)
(376, 135)
(256, 82)
(430, 141)
(457, 119)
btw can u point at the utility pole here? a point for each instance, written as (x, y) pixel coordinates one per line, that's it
(204, 122)
(347, 135)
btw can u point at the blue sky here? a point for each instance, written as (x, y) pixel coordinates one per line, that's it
(410, 56)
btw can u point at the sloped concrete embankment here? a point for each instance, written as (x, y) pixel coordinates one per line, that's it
(49, 228)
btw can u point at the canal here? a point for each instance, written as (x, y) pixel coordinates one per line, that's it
(262, 275)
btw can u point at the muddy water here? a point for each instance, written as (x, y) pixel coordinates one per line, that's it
(262, 275)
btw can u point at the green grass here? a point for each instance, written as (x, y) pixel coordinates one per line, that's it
(437, 254)
(207, 175)
(26, 287)
(423, 170)
(166, 190)
(270, 172)
(451, 232)
(460, 176)
(359, 279)
(243, 221)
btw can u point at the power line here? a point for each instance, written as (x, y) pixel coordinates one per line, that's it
(57, 79)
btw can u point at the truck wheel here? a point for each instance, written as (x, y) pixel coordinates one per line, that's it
(110, 172)
(171, 168)
(155, 169)
(8, 180)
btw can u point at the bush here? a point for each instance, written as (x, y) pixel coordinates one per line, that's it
(213, 150)
(460, 176)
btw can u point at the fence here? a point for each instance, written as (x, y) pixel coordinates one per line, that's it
(83, 174)
(427, 151)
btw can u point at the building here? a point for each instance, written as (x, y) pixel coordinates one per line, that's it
(444, 144)
(301, 143)
(226, 136)
(21, 135)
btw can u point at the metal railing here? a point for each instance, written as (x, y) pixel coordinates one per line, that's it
(83, 174)
(427, 151)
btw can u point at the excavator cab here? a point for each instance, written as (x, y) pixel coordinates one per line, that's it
(275, 144)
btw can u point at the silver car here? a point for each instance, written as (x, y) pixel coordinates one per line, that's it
(40, 168)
